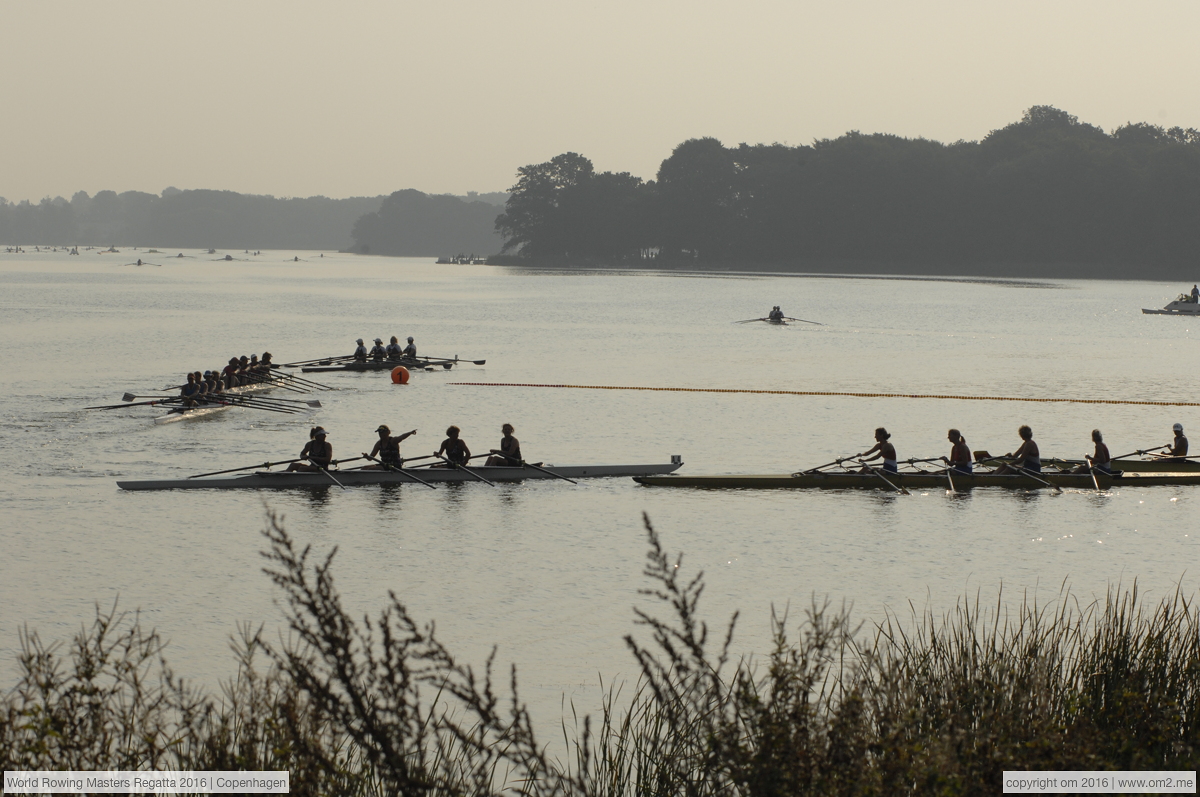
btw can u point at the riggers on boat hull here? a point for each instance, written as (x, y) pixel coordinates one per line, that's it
(187, 413)
(357, 478)
(1125, 465)
(910, 481)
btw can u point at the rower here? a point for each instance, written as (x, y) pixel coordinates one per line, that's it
(1027, 457)
(318, 451)
(360, 354)
(377, 351)
(454, 447)
(776, 314)
(254, 366)
(201, 384)
(212, 383)
(266, 361)
(881, 450)
(960, 453)
(1098, 462)
(190, 391)
(1178, 446)
(394, 352)
(509, 452)
(411, 349)
(230, 372)
(387, 448)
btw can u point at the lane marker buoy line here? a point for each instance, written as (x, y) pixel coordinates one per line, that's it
(839, 393)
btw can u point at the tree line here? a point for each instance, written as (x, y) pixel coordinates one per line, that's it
(405, 223)
(1045, 189)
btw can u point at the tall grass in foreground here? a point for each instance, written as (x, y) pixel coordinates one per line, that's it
(924, 705)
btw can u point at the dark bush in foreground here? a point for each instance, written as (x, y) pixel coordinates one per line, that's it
(936, 706)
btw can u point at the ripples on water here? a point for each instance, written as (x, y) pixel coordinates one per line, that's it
(546, 570)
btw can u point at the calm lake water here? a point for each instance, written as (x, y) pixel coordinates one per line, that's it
(549, 571)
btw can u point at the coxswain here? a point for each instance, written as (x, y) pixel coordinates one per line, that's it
(881, 450)
(454, 448)
(1025, 458)
(378, 352)
(1099, 461)
(1178, 447)
(387, 449)
(394, 352)
(318, 452)
(411, 349)
(360, 354)
(509, 452)
(960, 453)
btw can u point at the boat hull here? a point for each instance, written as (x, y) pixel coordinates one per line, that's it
(1124, 465)
(282, 480)
(911, 481)
(1177, 307)
(383, 365)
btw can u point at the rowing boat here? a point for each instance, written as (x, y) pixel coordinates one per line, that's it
(962, 481)
(231, 401)
(265, 479)
(418, 364)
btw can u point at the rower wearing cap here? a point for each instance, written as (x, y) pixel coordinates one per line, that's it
(411, 349)
(509, 452)
(394, 352)
(360, 354)
(454, 447)
(1026, 458)
(377, 351)
(387, 448)
(960, 454)
(1100, 461)
(881, 450)
(1178, 446)
(318, 451)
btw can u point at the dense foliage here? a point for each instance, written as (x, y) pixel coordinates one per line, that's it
(412, 223)
(1045, 189)
(928, 706)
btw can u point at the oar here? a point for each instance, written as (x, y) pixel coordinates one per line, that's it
(827, 464)
(525, 464)
(131, 397)
(175, 400)
(464, 467)
(751, 320)
(880, 475)
(950, 479)
(1141, 451)
(818, 323)
(301, 380)
(250, 405)
(1092, 472)
(266, 465)
(437, 360)
(401, 470)
(318, 360)
(1028, 473)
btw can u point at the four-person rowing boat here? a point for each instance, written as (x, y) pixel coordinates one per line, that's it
(267, 479)
(926, 480)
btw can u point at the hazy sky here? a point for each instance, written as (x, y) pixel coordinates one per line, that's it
(361, 98)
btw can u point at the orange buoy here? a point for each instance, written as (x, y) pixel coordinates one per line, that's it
(399, 375)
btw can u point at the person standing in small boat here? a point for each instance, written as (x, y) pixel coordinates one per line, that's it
(360, 354)
(454, 448)
(411, 349)
(509, 452)
(378, 352)
(387, 449)
(318, 451)
(1027, 457)
(881, 450)
(1178, 447)
(1100, 460)
(1196, 294)
(960, 459)
(394, 352)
